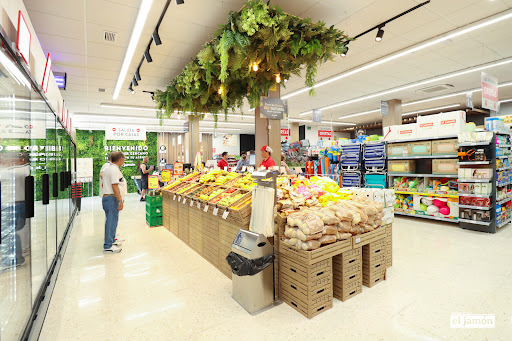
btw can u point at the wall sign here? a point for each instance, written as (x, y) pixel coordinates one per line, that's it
(286, 132)
(185, 127)
(273, 108)
(46, 75)
(325, 134)
(317, 115)
(153, 181)
(384, 108)
(62, 114)
(490, 92)
(117, 132)
(23, 38)
(22, 129)
(178, 169)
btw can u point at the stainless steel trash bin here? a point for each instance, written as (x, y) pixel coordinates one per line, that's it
(254, 293)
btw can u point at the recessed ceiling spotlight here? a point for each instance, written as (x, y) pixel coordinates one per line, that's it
(156, 38)
(137, 74)
(180, 2)
(131, 89)
(344, 54)
(148, 56)
(380, 34)
(134, 82)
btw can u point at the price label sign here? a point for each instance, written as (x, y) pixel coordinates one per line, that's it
(199, 205)
(206, 208)
(191, 203)
(184, 201)
(244, 168)
(179, 199)
(166, 175)
(215, 211)
(174, 198)
(178, 169)
(225, 214)
(153, 182)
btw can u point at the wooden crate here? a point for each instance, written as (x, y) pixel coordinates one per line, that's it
(308, 309)
(348, 291)
(310, 291)
(348, 257)
(374, 256)
(196, 240)
(241, 216)
(372, 278)
(304, 272)
(389, 246)
(183, 223)
(314, 256)
(211, 250)
(223, 266)
(344, 276)
(211, 228)
(366, 238)
(376, 247)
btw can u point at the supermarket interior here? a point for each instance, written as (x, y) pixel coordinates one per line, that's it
(256, 169)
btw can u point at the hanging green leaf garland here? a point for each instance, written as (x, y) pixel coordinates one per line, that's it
(259, 46)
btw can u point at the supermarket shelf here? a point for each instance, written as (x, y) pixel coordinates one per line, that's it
(475, 195)
(425, 175)
(426, 217)
(486, 223)
(429, 194)
(475, 207)
(504, 146)
(475, 180)
(503, 184)
(453, 156)
(504, 201)
(465, 163)
(424, 139)
(473, 144)
(503, 156)
(503, 169)
(504, 223)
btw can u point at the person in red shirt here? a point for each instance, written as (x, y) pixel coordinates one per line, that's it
(267, 162)
(223, 163)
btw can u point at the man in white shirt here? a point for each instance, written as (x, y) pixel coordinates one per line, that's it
(115, 188)
(102, 170)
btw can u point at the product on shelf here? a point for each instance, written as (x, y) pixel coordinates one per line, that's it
(444, 147)
(401, 166)
(445, 166)
(419, 148)
(475, 137)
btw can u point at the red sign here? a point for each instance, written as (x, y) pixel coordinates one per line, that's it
(489, 92)
(63, 113)
(23, 38)
(325, 133)
(46, 75)
(286, 132)
(178, 169)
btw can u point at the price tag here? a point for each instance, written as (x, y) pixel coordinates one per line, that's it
(244, 168)
(174, 198)
(215, 210)
(191, 203)
(358, 240)
(225, 214)
(179, 198)
(206, 208)
(184, 201)
(199, 205)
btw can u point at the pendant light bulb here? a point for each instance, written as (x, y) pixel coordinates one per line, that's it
(380, 34)
(221, 90)
(278, 78)
(255, 67)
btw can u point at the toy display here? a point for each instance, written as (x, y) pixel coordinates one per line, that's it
(436, 206)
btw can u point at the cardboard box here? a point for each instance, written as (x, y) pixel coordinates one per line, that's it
(427, 126)
(390, 133)
(401, 166)
(419, 148)
(397, 149)
(451, 123)
(445, 147)
(407, 131)
(366, 238)
(314, 256)
(389, 197)
(372, 278)
(308, 309)
(442, 166)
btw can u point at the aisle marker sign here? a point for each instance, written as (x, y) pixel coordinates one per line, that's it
(285, 132)
(225, 214)
(490, 92)
(206, 208)
(153, 182)
(215, 211)
(166, 175)
(191, 203)
(178, 169)
(198, 205)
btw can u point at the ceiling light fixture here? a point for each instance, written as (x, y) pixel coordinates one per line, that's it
(434, 41)
(148, 56)
(278, 78)
(229, 123)
(156, 38)
(344, 54)
(380, 34)
(180, 2)
(431, 109)
(132, 45)
(506, 100)
(131, 89)
(137, 74)
(134, 82)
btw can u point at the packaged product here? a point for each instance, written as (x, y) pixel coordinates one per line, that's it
(330, 229)
(342, 212)
(306, 222)
(327, 216)
(343, 236)
(309, 245)
(327, 239)
(344, 227)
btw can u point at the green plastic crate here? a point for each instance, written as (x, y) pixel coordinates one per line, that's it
(154, 211)
(153, 221)
(154, 201)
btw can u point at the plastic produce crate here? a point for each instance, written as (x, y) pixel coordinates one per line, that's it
(153, 221)
(154, 201)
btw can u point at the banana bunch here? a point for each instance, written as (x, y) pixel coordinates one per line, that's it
(221, 180)
(211, 176)
(245, 182)
(229, 200)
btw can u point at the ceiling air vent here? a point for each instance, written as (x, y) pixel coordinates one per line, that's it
(111, 37)
(101, 90)
(435, 88)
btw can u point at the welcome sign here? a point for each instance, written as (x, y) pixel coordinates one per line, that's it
(117, 132)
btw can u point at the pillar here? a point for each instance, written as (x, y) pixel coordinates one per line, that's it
(268, 132)
(394, 117)
(294, 131)
(193, 145)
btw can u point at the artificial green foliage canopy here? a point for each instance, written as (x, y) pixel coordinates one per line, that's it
(278, 43)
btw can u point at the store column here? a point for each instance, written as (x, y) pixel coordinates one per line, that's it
(193, 138)
(268, 132)
(294, 131)
(391, 112)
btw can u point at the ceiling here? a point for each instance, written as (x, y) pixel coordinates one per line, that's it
(72, 31)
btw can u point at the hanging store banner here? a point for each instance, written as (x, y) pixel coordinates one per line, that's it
(317, 116)
(24, 38)
(178, 169)
(274, 108)
(153, 182)
(46, 75)
(166, 175)
(490, 92)
(325, 134)
(286, 132)
(132, 133)
(384, 108)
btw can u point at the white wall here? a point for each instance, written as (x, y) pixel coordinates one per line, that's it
(506, 108)
(38, 57)
(219, 148)
(312, 135)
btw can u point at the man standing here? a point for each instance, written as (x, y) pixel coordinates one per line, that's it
(223, 163)
(244, 161)
(144, 175)
(114, 186)
(102, 170)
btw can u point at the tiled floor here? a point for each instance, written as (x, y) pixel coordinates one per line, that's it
(157, 288)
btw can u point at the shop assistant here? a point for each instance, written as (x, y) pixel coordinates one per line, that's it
(223, 163)
(267, 162)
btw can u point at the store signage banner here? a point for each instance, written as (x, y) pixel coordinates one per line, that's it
(133, 133)
(166, 175)
(274, 108)
(186, 127)
(22, 129)
(286, 132)
(153, 182)
(325, 133)
(178, 169)
(384, 108)
(23, 38)
(490, 92)
(469, 100)
(317, 116)
(229, 140)
(46, 75)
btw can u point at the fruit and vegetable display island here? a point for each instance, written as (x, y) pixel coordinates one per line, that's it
(328, 242)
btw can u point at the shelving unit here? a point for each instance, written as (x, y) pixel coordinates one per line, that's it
(421, 157)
